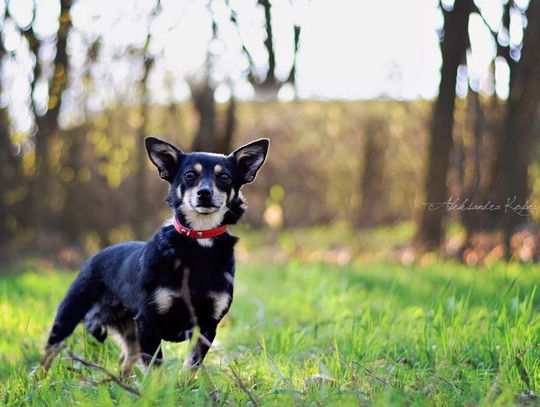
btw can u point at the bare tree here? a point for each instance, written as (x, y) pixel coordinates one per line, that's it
(513, 141)
(509, 175)
(268, 85)
(210, 136)
(476, 133)
(454, 45)
(373, 187)
(8, 162)
(141, 195)
(47, 123)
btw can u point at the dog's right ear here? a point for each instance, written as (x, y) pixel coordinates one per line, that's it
(165, 157)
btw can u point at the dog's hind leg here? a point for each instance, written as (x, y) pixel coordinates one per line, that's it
(82, 294)
(125, 335)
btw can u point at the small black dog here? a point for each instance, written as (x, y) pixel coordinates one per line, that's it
(181, 278)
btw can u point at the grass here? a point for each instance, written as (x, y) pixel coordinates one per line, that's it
(304, 333)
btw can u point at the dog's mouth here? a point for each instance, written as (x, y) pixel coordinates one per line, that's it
(206, 208)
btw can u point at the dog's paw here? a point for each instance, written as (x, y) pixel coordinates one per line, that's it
(165, 242)
(236, 209)
(46, 361)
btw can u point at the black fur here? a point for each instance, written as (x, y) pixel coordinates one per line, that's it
(117, 287)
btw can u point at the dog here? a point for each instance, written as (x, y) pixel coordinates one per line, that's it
(182, 278)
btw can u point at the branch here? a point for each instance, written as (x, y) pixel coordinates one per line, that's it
(503, 51)
(34, 46)
(292, 73)
(270, 79)
(234, 21)
(116, 379)
(238, 380)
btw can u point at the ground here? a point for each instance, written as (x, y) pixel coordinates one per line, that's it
(302, 332)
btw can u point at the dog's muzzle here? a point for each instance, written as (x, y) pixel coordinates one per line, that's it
(205, 201)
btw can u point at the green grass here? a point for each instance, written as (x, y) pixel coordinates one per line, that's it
(308, 334)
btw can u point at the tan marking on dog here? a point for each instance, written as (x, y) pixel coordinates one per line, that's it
(130, 350)
(164, 298)
(50, 352)
(185, 294)
(221, 302)
(217, 169)
(198, 167)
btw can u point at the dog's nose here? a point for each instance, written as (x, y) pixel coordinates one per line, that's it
(204, 193)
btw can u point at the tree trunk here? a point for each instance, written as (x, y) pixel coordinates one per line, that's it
(47, 124)
(510, 180)
(141, 188)
(270, 80)
(373, 187)
(475, 160)
(8, 175)
(230, 126)
(453, 49)
(73, 223)
(205, 105)
(5, 162)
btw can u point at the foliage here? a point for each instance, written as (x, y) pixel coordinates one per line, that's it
(308, 333)
(315, 159)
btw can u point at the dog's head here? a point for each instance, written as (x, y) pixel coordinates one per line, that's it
(205, 187)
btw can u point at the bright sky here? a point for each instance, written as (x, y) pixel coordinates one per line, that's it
(350, 49)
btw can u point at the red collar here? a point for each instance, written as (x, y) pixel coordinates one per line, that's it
(198, 234)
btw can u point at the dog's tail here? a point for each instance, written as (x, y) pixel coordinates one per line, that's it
(81, 296)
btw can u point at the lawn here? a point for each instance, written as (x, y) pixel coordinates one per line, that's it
(307, 333)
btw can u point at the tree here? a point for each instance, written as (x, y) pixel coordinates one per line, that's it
(373, 186)
(509, 175)
(454, 44)
(512, 130)
(8, 162)
(210, 136)
(47, 123)
(141, 195)
(268, 85)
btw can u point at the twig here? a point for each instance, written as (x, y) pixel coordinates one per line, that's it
(448, 382)
(116, 379)
(367, 371)
(238, 380)
(347, 363)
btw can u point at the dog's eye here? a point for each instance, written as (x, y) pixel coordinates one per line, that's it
(226, 178)
(190, 175)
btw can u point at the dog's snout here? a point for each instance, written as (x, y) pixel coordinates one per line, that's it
(204, 193)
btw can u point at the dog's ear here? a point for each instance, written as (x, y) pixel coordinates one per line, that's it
(165, 157)
(250, 158)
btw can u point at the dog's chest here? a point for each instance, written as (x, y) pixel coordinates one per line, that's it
(194, 291)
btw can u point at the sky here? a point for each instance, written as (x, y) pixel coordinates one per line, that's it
(349, 49)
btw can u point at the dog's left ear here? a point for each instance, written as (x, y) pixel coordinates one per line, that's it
(250, 158)
(165, 157)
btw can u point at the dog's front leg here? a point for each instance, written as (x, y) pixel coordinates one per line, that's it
(149, 340)
(195, 358)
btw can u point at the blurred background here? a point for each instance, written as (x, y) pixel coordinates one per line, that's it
(398, 129)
